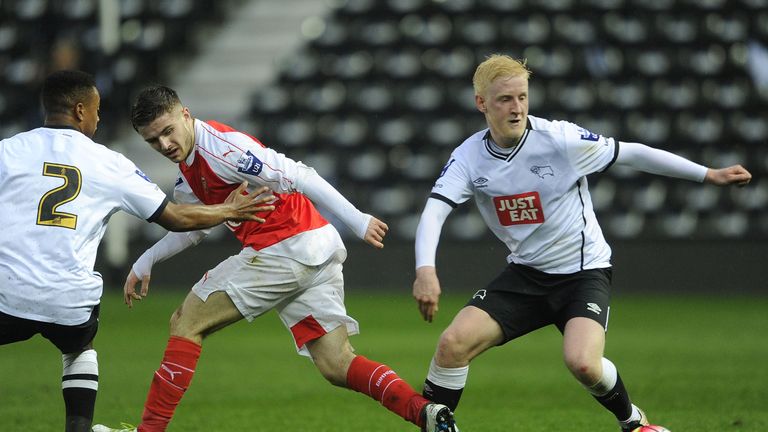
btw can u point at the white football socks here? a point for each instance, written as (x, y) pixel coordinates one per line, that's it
(607, 381)
(450, 378)
(81, 371)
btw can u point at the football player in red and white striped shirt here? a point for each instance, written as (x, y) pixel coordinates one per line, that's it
(291, 263)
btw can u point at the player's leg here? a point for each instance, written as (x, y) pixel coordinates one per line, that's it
(334, 358)
(583, 344)
(583, 322)
(192, 321)
(80, 383)
(320, 326)
(80, 372)
(472, 332)
(496, 314)
(243, 286)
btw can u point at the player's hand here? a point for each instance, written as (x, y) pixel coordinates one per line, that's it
(244, 204)
(129, 289)
(375, 233)
(735, 174)
(426, 291)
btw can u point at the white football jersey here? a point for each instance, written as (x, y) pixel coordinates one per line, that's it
(534, 197)
(58, 190)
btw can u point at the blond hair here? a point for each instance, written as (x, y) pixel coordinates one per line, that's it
(497, 65)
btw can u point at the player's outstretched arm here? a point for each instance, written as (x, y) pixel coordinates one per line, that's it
(426, 291)
(238, 207)
(735, 174)
(375, 233)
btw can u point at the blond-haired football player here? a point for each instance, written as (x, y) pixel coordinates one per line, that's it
(528, 178)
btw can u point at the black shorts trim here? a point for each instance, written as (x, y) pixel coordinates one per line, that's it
(522, 299)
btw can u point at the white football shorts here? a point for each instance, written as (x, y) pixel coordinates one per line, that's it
(308, 299)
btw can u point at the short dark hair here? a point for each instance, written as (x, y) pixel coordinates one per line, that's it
(151, 103)
(64, 89)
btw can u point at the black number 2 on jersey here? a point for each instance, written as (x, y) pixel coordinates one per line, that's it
(46, 210)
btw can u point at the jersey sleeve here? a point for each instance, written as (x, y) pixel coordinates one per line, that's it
(139, 196)
(260, 165)
(453, 185)
(588, 152)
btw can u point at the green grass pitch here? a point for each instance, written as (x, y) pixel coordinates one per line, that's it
(694, 364)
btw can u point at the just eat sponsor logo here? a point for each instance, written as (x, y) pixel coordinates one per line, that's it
(524, 208)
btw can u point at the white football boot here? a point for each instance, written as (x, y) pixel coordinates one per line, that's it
(438, 418)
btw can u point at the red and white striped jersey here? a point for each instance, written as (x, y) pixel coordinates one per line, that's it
(222, 159)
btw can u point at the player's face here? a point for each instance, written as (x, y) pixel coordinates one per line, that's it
(505, 105)
(172, 134)
(90, 114)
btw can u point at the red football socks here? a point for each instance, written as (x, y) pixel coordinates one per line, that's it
(169, 383)
(381, 383)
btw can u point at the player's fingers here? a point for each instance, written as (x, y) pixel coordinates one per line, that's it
(424, 311)
(242, 187)
(426, 307)
(144, 286)
(258, 191)
(128, 289)
(130, 296)
(432, 310)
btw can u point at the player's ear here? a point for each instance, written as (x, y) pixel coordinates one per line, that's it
(79, 111)
(480, 104)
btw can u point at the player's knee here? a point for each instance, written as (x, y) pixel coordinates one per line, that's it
(454, 348)
(175, 321)
(182, 327)
(586, 369)
(333, 369)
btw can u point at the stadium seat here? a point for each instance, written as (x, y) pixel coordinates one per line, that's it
(385, 90)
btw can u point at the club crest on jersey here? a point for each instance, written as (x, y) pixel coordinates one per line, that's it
(588, 136)
(542, 171)
(142, 175)
(248, 163)
(524, 208)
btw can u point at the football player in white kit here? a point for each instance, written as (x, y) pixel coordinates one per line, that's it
(528, 178)
(58, 189)
(291, 263)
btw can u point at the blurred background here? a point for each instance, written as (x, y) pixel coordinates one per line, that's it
(375, 94)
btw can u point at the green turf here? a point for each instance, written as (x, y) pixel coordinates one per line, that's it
(694, 364)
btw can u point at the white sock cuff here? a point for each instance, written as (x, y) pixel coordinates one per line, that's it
(607, 381)
(80, 370)
(450, 378)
